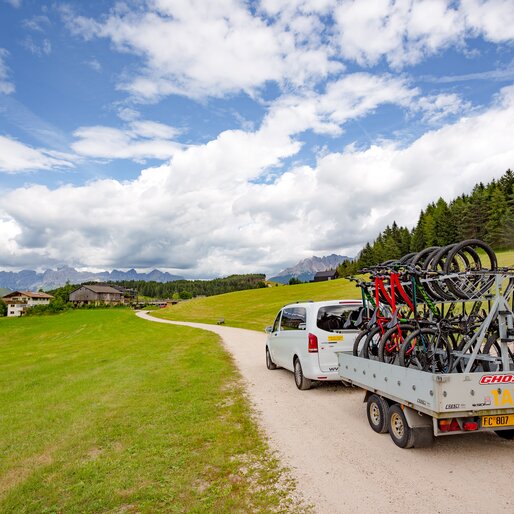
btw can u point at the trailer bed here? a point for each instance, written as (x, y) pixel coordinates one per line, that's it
(438, 395)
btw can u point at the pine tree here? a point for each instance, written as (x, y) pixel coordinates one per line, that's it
(500, 227)
(443, 228)
(418, 241)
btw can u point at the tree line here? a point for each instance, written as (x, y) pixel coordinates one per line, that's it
(487, 213)
(179, 289)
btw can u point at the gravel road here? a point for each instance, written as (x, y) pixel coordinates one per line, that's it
(342, 466)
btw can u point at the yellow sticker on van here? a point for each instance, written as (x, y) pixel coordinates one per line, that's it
(332, 339)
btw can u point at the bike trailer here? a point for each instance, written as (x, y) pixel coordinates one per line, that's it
(414, 405)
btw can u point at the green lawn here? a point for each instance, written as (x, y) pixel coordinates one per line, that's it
(257, 308)
(104, 412)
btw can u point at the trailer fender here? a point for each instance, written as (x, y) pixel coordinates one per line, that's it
(417, 419)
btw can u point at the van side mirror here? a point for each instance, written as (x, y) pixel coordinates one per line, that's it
(268, 330)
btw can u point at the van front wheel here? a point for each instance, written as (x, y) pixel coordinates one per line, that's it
(301, 382)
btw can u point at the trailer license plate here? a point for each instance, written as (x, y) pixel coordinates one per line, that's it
(498, 421)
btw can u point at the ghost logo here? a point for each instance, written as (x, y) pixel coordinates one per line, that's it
(497, 379)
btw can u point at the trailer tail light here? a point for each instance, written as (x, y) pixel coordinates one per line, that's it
(313, 344)
(447, 425)
(470, 426)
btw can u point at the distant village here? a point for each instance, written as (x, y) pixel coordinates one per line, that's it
(95, 295)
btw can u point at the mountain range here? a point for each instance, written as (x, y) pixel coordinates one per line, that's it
(30, 280)
(307, 268)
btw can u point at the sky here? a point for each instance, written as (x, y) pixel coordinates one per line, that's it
(207, 138)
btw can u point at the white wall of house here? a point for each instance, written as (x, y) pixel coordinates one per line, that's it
(19, 304)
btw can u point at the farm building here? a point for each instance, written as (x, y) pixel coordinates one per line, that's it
(321, 276)
(19, 301)
(96, 295)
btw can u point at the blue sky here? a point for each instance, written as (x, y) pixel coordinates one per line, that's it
(231, 137)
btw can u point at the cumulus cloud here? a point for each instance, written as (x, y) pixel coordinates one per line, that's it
(140, 139)
(438, 108)
(204, 212)
(494, 19)
(403, 32)
(200, 49)
(210, 49)
(350, 97)
(16, 157)
(6, 85)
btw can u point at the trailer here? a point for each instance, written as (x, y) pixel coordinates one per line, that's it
(415, 406)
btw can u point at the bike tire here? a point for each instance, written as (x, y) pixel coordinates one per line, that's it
(391, 341)
(357, 348)
(492, 348)
(471, 287)
(433, 356)
(370, 348)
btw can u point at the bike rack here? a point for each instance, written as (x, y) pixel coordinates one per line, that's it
(490, 290)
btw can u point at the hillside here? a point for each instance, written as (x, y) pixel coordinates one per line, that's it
(256, 309)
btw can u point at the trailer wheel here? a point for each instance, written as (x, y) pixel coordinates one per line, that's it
(399, 430)
(505, 434)
(376, 409)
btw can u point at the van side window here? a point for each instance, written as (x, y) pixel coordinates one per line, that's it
(334, 318)
(293, 318)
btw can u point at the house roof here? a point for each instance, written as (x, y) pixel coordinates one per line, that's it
(29, 294)
(100, 289)
(329, 273)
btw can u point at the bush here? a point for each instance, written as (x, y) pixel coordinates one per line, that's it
(3, 308)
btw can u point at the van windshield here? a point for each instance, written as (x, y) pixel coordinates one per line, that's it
(335, 318)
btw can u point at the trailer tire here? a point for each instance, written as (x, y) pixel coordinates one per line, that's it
(505, 434)
(399, 430)
(377, 410)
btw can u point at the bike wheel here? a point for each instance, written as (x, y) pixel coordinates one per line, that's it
(427, 350)
(461, 363)
(493, 356)
(391, 341)
(370, 348)
(358, 344)
(465, 257)
(435, 263)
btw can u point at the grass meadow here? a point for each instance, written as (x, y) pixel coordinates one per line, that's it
(104, 412)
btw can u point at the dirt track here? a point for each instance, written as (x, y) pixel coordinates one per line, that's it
(342, 466)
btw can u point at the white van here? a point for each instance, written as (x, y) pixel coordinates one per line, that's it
(306, 335)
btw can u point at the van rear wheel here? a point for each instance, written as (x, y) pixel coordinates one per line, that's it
(269, 361)
(301, 382)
